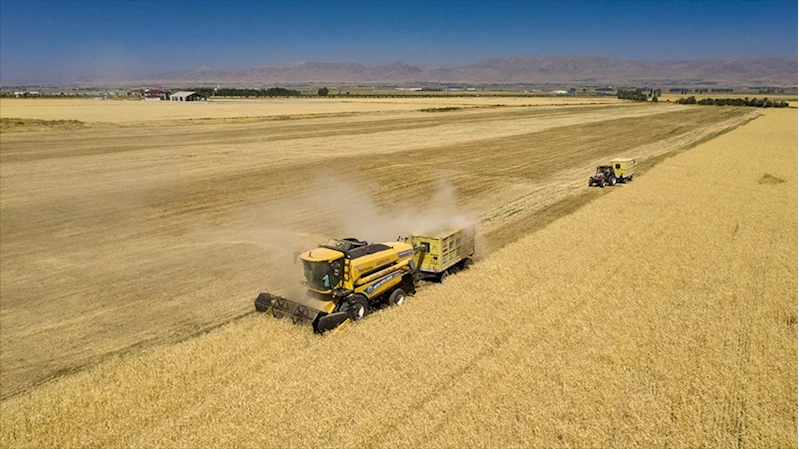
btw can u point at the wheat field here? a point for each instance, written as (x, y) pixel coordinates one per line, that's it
(118, 239)
(658, 313)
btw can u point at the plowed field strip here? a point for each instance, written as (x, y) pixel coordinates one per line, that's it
(86, 143)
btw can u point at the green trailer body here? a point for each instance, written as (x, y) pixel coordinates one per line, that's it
(444, 251)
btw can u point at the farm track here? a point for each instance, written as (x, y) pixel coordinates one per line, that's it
(686, 338)
(108, 249)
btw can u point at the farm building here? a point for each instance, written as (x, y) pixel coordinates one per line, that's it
(187, 96)
(156, 95)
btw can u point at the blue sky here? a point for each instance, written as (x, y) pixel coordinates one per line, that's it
(60, 40)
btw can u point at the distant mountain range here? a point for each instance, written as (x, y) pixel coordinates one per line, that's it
(545, 70)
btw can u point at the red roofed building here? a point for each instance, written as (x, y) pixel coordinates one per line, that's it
(156, 94)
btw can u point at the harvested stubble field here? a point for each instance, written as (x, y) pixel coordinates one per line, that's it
(117, 239)
(132, 113)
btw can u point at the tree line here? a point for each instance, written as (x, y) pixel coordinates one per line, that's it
(638, 94)
(750, 102)
(684, 91)
(634, 95)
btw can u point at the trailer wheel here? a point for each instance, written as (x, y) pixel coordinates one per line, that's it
(397, 297)
(357, 308)
(443, 275)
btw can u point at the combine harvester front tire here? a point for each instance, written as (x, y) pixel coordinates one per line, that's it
(397, 297)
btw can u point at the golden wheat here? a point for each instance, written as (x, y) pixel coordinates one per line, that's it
(661, 314)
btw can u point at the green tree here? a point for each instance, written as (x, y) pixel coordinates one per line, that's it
(634, 95)
(323, 92)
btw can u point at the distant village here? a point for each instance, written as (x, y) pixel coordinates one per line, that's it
(599, 91)
(149, 95)
(165, 95)
(157, 94)
(202, 94)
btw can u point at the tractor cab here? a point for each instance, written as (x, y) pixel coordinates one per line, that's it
(604, 176)
(603, 172)
(604, 169)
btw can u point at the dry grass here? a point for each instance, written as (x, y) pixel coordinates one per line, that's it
(686, 337)
(30, 125)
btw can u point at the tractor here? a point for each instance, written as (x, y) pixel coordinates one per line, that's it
(604, 176)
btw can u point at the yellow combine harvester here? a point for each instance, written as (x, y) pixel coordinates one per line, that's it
(348, 278)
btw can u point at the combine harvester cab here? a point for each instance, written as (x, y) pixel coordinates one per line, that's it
(346, 279)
